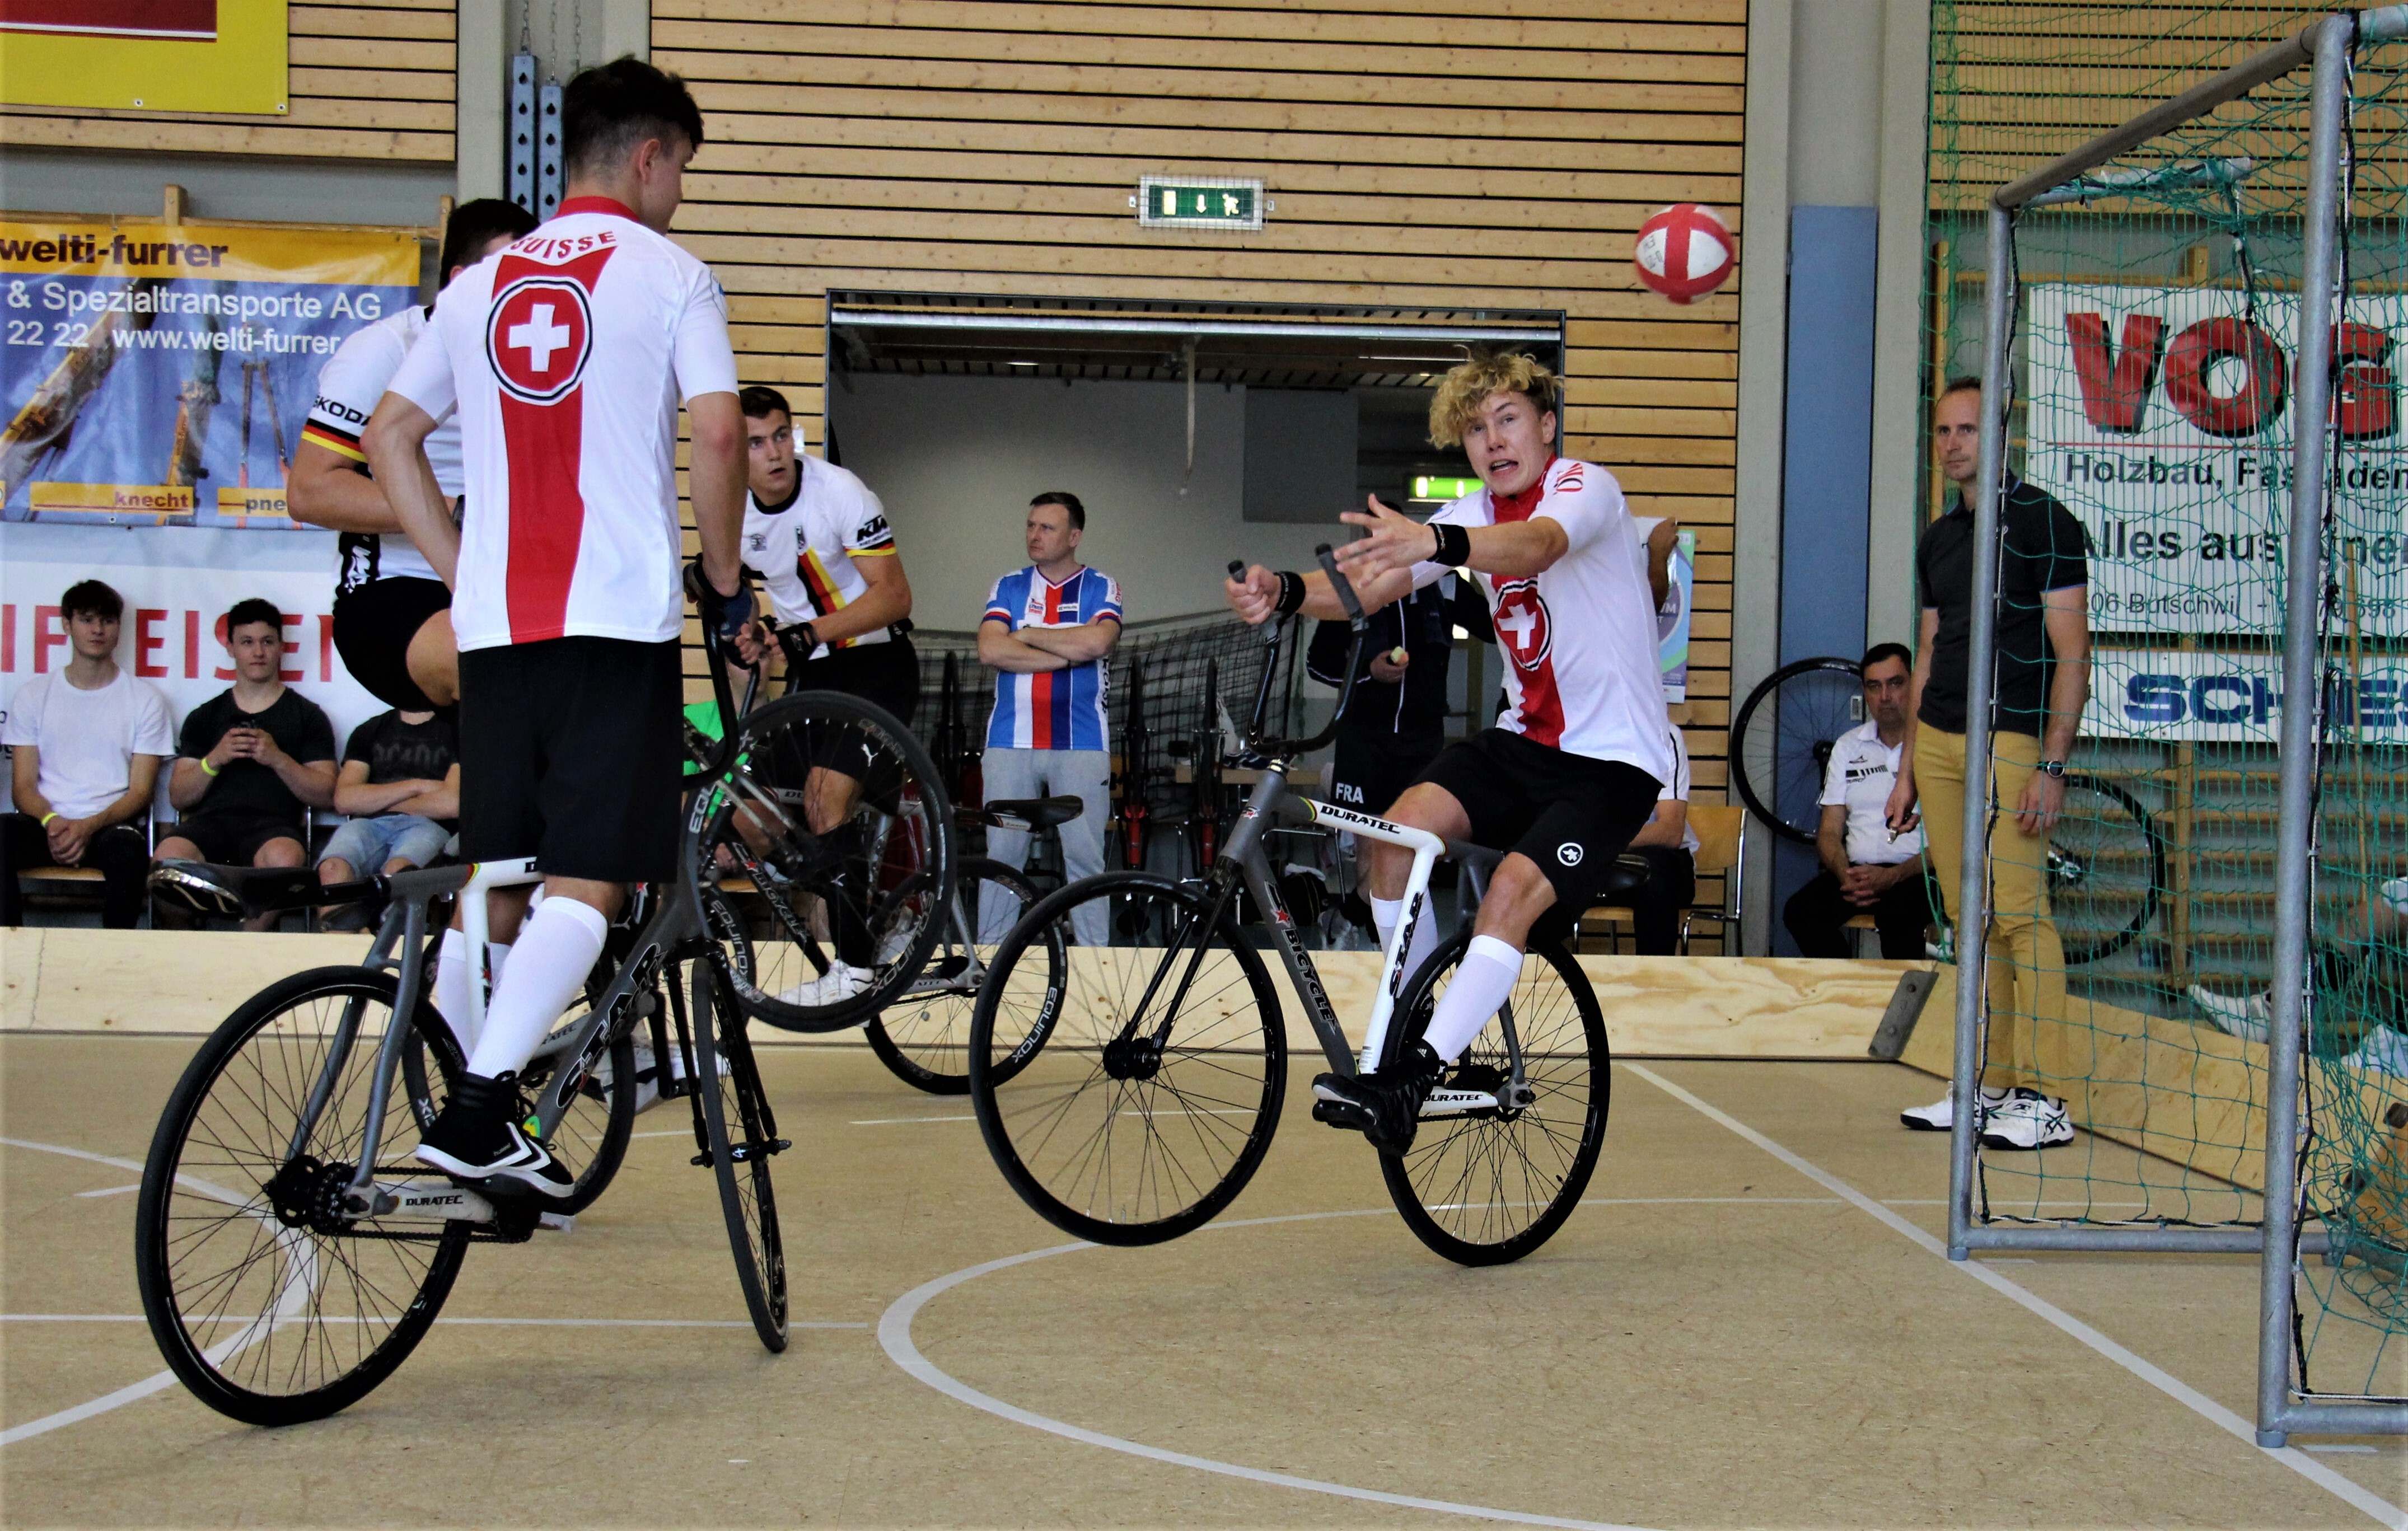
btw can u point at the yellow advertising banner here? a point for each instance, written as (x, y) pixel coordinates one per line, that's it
(145, 55)
(157, 376)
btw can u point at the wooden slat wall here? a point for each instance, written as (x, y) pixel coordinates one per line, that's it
(1452, 153)
(374, 81)
(2016, 83)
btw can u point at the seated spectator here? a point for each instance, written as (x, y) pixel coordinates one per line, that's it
(84, 745)
(2361, 976)
(400, 784)
(1867, 868)
(251, 761)
(1657, 876)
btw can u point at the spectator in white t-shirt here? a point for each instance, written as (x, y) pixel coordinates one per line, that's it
(84, 749)
(1867, 869)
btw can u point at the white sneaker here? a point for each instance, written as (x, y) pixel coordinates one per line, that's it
(2245, 1016)
(841, 983)
(1941, 1114)
(2027, 1120)
(2383, 1051)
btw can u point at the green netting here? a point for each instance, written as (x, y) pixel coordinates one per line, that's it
(2155, 323)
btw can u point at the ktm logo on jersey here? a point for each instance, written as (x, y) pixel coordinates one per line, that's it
(538, 337)
(1522, 623)
(1569, 479)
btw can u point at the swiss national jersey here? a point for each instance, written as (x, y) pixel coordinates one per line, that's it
(1580, 672)
(566, 356)
(348, 386)
(1051, 710)
(804, 550)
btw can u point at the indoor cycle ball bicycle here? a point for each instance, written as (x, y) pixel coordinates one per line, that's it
(1157, 1087)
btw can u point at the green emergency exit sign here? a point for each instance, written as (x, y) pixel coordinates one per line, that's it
(1199, 202)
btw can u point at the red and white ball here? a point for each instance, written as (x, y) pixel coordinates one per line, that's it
(1684, 252)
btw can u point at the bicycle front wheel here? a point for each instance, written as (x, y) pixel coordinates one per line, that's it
(1488, 1186)
(267, 1301)
(924, 1037)
(2106, 869)
(1156, 1088)
(741, 1138)
(1780, 741)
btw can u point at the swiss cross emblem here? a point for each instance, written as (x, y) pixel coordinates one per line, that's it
(537, 338)
(1522, 624)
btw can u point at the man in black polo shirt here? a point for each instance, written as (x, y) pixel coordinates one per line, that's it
(2043, 682)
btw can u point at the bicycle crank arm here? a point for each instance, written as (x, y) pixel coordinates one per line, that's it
(440, 1201)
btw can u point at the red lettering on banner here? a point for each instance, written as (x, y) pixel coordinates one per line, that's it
(2362, 384)
(223, 674)
(325, 647)
(143, 642)
(44, 640)
(8, 638)
(292, 648)
(191, 645)
(2115, 384)
(2192, 358)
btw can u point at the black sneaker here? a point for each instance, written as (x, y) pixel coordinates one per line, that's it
(1384, 1107)
(476, 1138)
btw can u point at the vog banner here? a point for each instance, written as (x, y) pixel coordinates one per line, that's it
(177, 590)
(158, 376)
(2163, 419)
(2205, 699)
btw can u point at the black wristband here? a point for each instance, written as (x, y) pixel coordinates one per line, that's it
(810, 638)
(1290, 595)
(1454, 544)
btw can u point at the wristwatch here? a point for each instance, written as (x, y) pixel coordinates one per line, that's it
(2053, 767)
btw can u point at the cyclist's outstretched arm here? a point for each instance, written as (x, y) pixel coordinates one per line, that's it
(1256, 596)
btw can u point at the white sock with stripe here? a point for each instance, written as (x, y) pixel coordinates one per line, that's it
(1482, 982)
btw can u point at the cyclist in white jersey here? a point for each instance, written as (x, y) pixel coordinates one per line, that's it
(393, 613)
(1572, 768)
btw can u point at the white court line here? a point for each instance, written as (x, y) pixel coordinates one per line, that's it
(894, 1335)
(2173, 1387)
(534, 1323)
(906, 1121)
(112, 1191)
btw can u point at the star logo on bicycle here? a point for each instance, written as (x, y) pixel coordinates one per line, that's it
(1522, 623)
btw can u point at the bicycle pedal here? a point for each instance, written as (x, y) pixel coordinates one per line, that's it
(1338, 1114)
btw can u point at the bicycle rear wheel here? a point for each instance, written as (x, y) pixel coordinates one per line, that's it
(924, 1037)
(266, 1300)
(830, 806)
(1489, 1186)
(1780, 741)
(2106, 869)
(1156, 1089)
(742, 1137)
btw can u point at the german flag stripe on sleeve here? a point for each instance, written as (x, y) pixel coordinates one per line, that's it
(335, 439)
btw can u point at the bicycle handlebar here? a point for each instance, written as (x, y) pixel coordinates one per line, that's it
(1274, 631)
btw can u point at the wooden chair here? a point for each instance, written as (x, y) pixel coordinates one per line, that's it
(1857, 924)
(1722, 851)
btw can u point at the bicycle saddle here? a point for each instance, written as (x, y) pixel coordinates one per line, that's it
(236, 892)
(1025, 812)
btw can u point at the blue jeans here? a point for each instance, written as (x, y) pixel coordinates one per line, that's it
(368, 844)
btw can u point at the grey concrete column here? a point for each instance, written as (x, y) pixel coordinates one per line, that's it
(482, 118)
(1898, 340)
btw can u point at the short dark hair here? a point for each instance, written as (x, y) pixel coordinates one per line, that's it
(475, 225)
(758, 402)
(612, 108)
(1069, 502)
(1959, 384)
(90, 595)
(1881, 652)
(251, 610)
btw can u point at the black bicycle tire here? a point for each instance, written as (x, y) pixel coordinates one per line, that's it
(185, 1357)
(752, 1233)
(2081, 956)
(935, 1081)
(1050, 912)
(1411, 1019)
(943, 843)
(1735, 746)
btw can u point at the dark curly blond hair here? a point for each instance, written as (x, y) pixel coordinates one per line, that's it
(1464, 390)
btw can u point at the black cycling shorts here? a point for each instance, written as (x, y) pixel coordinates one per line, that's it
(885, 675)
(1570, 814)
(570, 752)
(1370, 768)
(373, 628)
(234, 838)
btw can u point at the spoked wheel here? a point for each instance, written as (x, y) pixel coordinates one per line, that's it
(1491, 1186)
(1782, 740)
(924, 1037)
(831, 807)
(2106, 869)
(740, 1137)
(1157, 1087)
(270, 1303)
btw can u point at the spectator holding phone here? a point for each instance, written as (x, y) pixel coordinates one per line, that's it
(251, 761)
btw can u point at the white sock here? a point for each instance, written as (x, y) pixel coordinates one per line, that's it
(497, 953)
(1386, 912)
(1481, 980)
(451, 987)
(555, 950)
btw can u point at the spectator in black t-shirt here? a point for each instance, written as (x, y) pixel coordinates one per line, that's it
(2042, 682)
(400, 784)
(251, 761)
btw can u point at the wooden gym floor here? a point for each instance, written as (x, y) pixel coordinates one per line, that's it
(1748, 1325)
